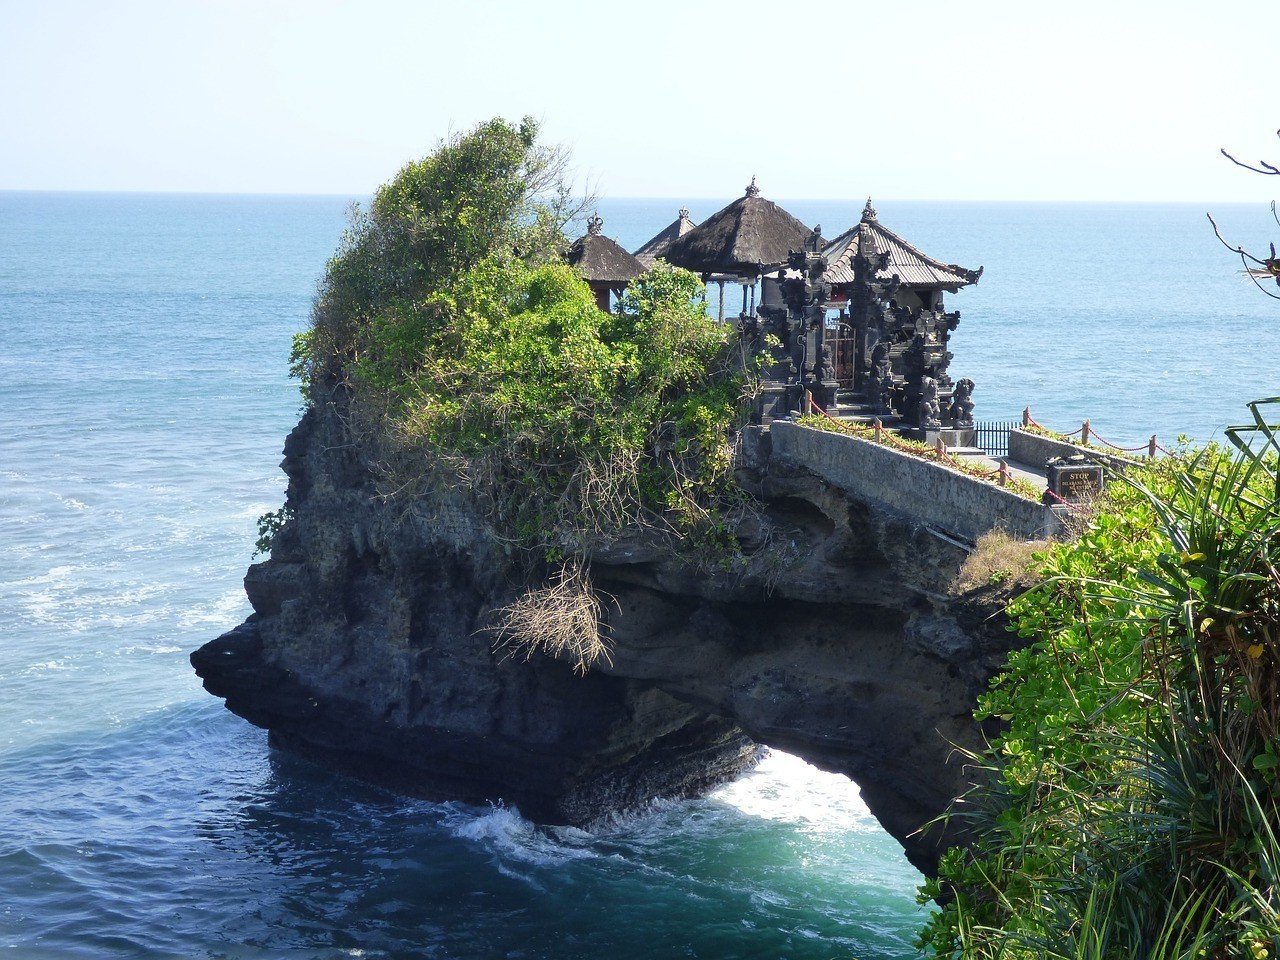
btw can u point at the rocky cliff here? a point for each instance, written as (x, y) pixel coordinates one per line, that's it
(367, 648)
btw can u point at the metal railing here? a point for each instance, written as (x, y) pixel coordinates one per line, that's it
(993, 436)
(843, 357)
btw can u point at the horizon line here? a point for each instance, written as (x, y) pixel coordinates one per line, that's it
(673, 199)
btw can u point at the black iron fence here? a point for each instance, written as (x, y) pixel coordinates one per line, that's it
(993, 436)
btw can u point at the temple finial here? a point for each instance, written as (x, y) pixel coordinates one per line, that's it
(752, 189)
(595, 225)
(868, 212)
(684, 213)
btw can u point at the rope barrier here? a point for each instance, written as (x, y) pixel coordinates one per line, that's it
(1087, 434)
(1144, 446)
(1066, 503)
(1001, 474)
(1029, 421)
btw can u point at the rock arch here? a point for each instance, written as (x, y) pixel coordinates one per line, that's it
(366, 649)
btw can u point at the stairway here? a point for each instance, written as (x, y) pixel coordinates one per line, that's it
(853, 407)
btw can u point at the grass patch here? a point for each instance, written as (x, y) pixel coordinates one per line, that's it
(999, 559)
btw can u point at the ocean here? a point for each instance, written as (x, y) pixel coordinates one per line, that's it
(144, 399)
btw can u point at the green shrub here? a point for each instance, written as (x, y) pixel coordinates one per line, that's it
(269, 525)
(474, 356)
(1133, 807)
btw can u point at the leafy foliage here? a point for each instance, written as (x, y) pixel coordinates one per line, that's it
(474, 356)
(270, 524)
(1133, 808)
(577, 422)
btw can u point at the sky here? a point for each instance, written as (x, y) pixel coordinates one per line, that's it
(911, 99)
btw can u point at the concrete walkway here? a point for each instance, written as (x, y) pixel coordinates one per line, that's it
(1020, 470)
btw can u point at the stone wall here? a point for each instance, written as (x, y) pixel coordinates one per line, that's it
(1036, 450)
(927, 491)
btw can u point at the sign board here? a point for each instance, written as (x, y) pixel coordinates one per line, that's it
(1075, 480)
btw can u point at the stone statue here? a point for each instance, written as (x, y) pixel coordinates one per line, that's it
(961, 412)
(881, 378)
(815, 315)
(828, 368)
(879, 361)
(884, 395)
(929, 408)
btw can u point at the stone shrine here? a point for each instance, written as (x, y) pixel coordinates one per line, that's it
(859, 323)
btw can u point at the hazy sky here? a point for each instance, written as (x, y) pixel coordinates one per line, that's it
(1126, 99)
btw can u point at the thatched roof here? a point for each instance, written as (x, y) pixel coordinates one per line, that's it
(601, 260)
(911, 266)
(748, 232)
(657, 247)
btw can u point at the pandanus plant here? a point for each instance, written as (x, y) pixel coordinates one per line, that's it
(1191, 857)
(1156, 831)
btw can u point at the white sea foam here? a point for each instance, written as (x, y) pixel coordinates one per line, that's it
(57, 576)
(49, 665)
(227, 609)
(785, 789)
(506, 833)
(155, 649)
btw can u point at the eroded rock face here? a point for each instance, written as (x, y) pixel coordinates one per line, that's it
(367, 648)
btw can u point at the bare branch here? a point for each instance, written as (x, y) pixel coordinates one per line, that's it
(1266, 169)
(1243, 253)
(1254, 274)
(1260, 269)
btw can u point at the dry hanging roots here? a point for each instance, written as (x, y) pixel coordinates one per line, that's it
(562, 621)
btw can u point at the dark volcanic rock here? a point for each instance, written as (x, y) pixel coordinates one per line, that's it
(368, 649)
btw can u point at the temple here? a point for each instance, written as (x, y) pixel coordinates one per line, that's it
(657, 246)
(856, 326)
(738, 244)
(605, 266)
(889, 342)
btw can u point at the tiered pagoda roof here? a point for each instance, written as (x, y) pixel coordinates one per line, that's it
(736, 240)
(911, 266)
(657, 247)
(601, 260)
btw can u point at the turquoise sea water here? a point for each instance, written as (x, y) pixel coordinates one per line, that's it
(143, 403)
